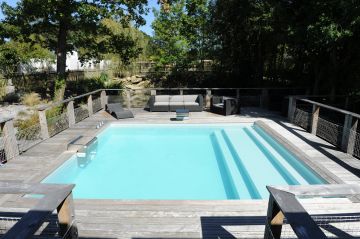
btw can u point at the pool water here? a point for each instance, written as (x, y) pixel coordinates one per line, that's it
(177, 162)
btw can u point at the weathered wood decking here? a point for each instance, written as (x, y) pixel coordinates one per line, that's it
(176, 219)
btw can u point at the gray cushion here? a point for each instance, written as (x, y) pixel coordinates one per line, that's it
(177, 103)
(162, 98)
(161, 103)
(176, 98)
(190, 98)
(219, 105)
(191, 103)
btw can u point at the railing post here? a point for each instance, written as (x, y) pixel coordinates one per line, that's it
(153, 92)
(90, 105)
(66, 217)
(291, 108)
(9, 137)
(349, 134)
(208, 98)
(274, 220)
(237, 93)
(43, 124)
(70, 113)
(315, 118)
(264, 98)
(128, 99)
(181, 91)
(103, 99)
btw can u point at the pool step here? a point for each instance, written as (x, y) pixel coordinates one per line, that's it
(237, 180)
(291, 176)
(299, 166)
(260, 169)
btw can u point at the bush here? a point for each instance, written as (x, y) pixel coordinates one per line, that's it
(31, 99)
(28, 129)
(11, 98)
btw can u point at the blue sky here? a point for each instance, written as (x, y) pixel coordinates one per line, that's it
(149, 17)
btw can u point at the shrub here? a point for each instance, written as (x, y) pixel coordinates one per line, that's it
(31, 99)
(11, 98)
(28, 129)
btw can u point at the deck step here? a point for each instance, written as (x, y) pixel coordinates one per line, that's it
(237, 180)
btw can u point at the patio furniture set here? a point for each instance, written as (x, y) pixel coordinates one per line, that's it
(181, 104)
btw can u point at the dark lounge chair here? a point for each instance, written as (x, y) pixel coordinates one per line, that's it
(117, 111)
(224, 105)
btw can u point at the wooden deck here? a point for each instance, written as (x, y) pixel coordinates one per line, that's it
(176, 219)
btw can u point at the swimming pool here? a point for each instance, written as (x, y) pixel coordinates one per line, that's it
(178, 162)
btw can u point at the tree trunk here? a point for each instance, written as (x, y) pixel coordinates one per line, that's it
(61, 50)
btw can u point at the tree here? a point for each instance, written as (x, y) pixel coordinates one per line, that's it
(66, 25)
(179, 29)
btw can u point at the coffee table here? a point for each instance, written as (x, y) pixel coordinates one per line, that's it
(182, 114)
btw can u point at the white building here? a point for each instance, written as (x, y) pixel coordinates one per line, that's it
(72, 64)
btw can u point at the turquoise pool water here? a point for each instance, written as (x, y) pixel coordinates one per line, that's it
(195, 162)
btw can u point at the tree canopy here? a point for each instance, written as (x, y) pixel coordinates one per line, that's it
(262, 43)
(67, 25)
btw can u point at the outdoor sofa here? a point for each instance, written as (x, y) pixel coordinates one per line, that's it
(224, 105)
(117, 111)
(164, 103)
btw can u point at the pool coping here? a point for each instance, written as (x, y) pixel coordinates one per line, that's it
(300, 154)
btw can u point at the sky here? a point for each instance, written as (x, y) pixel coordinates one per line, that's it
(146, 28)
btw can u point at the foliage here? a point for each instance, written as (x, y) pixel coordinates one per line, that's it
(312, 44)
(29, 128)
(67, 25)
(180, 33)
(31, 99)
(13, 53)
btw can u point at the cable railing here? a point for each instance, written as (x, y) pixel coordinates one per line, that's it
(337, 126)
(287, 218)
(28, 137)
(59, 116)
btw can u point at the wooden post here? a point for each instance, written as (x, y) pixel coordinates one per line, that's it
(90, 105)
(128, 99)
(291, 108)
(103, 99)
(181, 91)
(43, 124)
(264, 98)
(66, 217)
(274, 220)
(9, 137)
(70, 113)
(349, 134)
(315, 118)
(153, 92)
(207, 98)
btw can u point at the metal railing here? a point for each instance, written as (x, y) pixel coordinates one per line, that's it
(40, 221)
(287, 218)
(59, 116)
(337, 126)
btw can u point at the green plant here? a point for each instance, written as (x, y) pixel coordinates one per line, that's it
(29, 128)
(11, 98)
(31, 99)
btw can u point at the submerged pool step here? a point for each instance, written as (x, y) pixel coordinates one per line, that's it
(240, 187)
(291, 176)
(260, 169)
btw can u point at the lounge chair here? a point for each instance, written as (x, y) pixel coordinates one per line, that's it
(117, 111)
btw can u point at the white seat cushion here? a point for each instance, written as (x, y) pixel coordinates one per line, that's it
(161, 103)
(176, 98)
(162, 98)
(190, 98)
(177, 103)
(191, 103)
